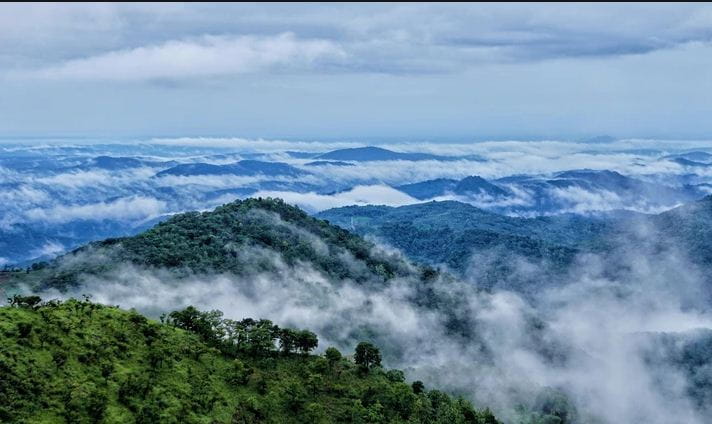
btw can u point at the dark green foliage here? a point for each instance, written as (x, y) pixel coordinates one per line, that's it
(555, 406)
(81, 362)
(689, 226)
(551, 406)
(24, 301)
(367, 355)
(691, 355)
(395, 376)
(465, 238)
(333, 355)
(257, 338)
(306, 341)
(239, 237)
(211, 241)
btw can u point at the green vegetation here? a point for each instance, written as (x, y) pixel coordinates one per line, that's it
(453, 233)
(244, 237)
(690, 226)
(450, 233)
(81, 362)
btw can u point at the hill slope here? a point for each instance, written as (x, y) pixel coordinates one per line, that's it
(80, 362)
(690, 226)
(243, 238)
(451, 233)
(491, 246)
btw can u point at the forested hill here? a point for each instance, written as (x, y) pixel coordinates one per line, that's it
(471, 241)
(462, 236)
(243, 238)
(81, 362)
(689, 225)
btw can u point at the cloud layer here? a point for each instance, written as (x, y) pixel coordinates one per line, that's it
(382, 38)
(55, 185)
(206, 56)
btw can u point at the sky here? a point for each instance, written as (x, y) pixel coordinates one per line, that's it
(356, 71)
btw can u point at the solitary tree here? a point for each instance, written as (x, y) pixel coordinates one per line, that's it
(367, 355)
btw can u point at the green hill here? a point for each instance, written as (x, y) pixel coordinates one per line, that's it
(450, 233)
(690, 226)
(492, 247)
(243, 238)
(81, 362)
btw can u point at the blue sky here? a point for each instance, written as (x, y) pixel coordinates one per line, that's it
(307, 71)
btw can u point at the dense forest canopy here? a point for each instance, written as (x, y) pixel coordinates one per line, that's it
(241, 237)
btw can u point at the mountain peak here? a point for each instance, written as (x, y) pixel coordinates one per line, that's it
(244, 237)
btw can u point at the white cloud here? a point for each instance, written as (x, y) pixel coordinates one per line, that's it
(359, 195)
(23, 196)
(94, 178)
(204, 56)
(51, 248)
(133, 208)
(253, 145)
(582, 200)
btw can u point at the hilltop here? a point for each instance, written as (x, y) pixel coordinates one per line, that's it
(244, 237)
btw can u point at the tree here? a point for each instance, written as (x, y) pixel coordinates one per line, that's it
(31, 302)
(207, 325)
(306, 341)
(418, 387)
(332, 355)
(395, 376)
(288, 339)
(261, 337)
(367, 355)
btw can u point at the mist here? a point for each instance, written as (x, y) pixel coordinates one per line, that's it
(591, 337)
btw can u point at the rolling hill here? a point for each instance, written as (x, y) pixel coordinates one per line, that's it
(81, 362)
(450, 233)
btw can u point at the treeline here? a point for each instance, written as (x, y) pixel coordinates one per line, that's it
(262, 338)
(248, 336)
(81, 362)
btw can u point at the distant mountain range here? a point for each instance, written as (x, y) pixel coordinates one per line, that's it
(110, 163)
(328, 163)
(572, 191)
(371, 153)
(241, 168)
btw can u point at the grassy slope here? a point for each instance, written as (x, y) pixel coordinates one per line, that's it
(82, 362)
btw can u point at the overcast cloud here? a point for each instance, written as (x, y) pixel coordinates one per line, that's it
(421, 71)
